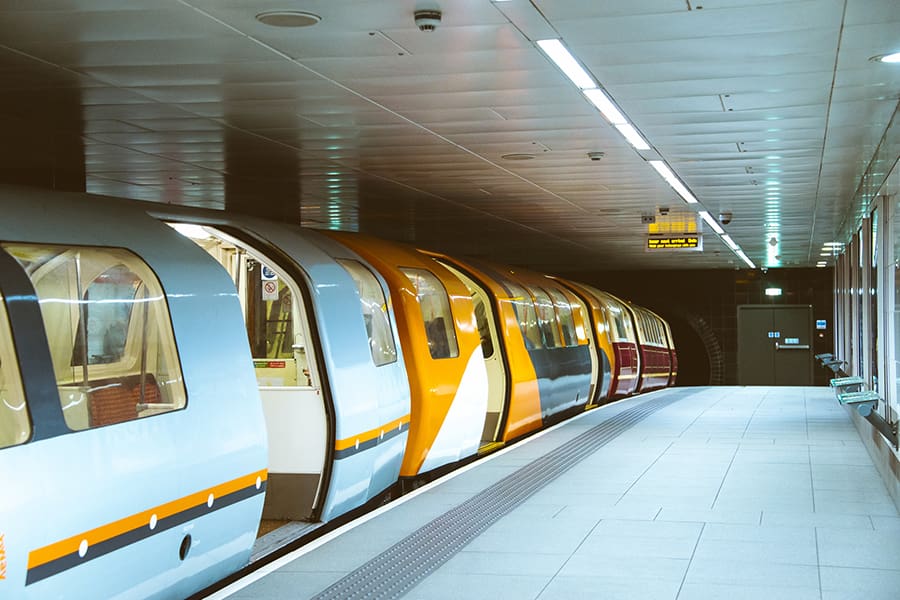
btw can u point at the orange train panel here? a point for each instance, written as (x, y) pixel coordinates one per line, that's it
(448, 395)
(523, 400)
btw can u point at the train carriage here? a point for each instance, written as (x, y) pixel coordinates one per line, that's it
(443, 354)
(656, 355)
(328, 366)
(139, 469)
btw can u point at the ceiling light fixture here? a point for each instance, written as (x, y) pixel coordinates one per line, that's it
(517, 156)
(727, 239)
(711, 222)
(744, 258)
(773, 291)
(633, 137)
(560, 55)
(599, 99)
(672, 180)
(288, 18)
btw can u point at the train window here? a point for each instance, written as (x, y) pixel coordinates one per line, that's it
(566, 319)
(109, 331)
(546, 318)
(526, 316)
(435, 306)
(374, 311)
(15, 426)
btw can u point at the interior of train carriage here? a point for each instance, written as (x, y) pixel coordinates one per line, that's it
(109, 333)
(286, 372)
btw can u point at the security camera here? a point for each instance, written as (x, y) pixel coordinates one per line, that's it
(596, 155)
(725, 217)
(427, 19)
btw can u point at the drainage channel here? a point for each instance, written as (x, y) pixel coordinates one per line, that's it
(401, 567)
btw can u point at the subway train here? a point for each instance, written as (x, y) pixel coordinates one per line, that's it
(171, 378)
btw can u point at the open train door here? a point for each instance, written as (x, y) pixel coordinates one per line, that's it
(272, 298)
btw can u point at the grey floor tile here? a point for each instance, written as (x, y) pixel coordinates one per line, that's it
(743, 573)
(450, 586)
(282, 585)
(695, 515)
(609, 588)
(879, 549)
(859, 584)
(728, 591)
(886, 523)
(774, 518)
(586, 563)
(504, 563)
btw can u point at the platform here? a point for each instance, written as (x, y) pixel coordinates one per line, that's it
(687, 493)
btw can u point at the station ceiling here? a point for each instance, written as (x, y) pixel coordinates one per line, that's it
(468, 138)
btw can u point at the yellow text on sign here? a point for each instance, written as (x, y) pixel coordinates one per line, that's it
(684, 241)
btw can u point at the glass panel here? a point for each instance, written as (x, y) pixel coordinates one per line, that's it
(15, 426)
(526, 315)
(546, 318)
(566, 320)
(435, 306)
(873, 294)
(109, 331)
(375, 313)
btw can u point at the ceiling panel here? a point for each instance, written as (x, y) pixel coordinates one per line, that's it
(770, 110)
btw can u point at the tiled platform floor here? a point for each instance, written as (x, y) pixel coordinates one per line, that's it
(731, 492)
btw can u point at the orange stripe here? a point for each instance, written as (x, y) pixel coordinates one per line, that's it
(371, 434)
(70, 545)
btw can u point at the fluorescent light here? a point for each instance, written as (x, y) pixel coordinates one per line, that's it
(822, 264)
(190, 230)
(672, 180)
(599, 99)
(891, 58)
(711, 222)
(773, 291)
(633, 137)
(727, 239)
(834, 244)
(567, 63)
(744, 258)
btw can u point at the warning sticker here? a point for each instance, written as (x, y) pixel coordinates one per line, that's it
(270, 290)
(269, 364)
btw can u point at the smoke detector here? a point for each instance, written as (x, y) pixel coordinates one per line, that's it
(427, 19)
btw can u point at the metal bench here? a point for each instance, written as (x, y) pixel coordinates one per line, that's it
(842, 385)
(865, 402)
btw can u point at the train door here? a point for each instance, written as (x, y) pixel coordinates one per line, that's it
(289, 381)
(493, 357)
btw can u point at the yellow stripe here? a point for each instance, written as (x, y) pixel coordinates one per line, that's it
(365, 436)
(68, 546)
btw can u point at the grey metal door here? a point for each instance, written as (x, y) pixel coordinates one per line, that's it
(775, 345)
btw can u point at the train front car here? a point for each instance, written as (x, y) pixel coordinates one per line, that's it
(442, 350)
(132, 445)
(329, 369)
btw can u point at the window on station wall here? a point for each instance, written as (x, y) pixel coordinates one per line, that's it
(435, 307)
(375, 314)
(15, 424)
(109, 332)
(526, 316)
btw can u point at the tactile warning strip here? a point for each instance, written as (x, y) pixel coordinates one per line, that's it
(399, 568)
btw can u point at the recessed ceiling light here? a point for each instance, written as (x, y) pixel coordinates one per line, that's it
(893, 57)
(517, 156)
(288, 18)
